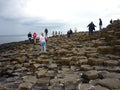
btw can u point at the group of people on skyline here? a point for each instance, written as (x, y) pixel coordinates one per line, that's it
(91, 26)
(69, 33)
(43, 38)
(55, 33)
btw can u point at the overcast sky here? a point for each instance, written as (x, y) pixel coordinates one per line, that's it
(22, 16)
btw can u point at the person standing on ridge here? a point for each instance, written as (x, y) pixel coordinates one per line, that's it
(71, 32)
(91, 27)
(111, 21)
(30, 36)
(46, 32)
(100, 24)
(34, 37)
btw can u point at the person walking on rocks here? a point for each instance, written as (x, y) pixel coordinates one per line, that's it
(111, 21)
(91, 27)
(43, 42)
(30, 36)
(68, 33)
(34, 37)
(100, 24)
(46, 32)
(53, 33)
(71, 32)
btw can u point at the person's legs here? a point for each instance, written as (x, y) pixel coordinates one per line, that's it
(100, 27)
(44, 46)
(70, 36)
(46, 34)
(89, 32)
(34, 40)
(30, 39)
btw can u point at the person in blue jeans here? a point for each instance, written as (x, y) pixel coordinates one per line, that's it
(100, 24)
(43, 42)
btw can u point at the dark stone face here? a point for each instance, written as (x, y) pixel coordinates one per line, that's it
(85, 78)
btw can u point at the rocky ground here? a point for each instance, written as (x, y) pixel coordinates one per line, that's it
(81, 63)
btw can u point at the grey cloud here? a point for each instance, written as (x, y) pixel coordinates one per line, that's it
(12, 11)
(110, 14)
(119, 6)
(12, 8)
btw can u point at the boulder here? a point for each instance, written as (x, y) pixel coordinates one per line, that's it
(111, 63)
(110, 83)
(85, 67)
(92, 74)
(95, 61)
(43, 82)
(41, 73)
(25, 86)
(52, 66)
(105, 49)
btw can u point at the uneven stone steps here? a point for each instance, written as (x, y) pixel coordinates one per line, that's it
(81, 63)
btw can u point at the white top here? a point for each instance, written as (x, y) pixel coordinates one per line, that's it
(42, 39)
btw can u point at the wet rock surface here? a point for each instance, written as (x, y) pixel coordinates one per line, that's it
(81, 63)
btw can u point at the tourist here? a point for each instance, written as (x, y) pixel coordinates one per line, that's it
(43, 42)
(53, 33)
(71, 32)
(46, 32)
(91, 27)
(68, 33)
(100, 24)
(59, 33)
(34, 37)
(56, 33)
(111, 21)
(30, 37)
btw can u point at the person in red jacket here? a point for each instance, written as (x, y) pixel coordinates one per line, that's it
(34, 37)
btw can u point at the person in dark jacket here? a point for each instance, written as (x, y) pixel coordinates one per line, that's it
(100, 24)
(91, 27)
(71, 32)
(46, 32)
(111, 21)
(30, 36)
(68, 33)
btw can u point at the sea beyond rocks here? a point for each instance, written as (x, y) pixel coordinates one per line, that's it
(85, 62)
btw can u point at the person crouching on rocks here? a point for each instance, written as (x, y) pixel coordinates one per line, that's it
(43, 42)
